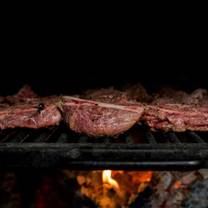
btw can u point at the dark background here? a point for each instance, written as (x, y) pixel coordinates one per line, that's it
(74, 80)
(55, 58)
(54, 77)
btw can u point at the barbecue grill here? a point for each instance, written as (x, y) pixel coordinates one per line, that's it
(139, 148)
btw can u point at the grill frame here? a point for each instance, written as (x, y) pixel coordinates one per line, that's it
(101, 153)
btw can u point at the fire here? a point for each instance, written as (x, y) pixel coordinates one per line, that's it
(113, 188)
(177, 185)
(106, 177)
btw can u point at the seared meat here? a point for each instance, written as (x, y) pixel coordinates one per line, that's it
(26, 110)
(26, 92)
(108, 112)
(176, 117)
(130, 94)
(107, 95)
(170, 96)
(99, 119)
(30, 113)
(167, 110)
(138, 93)
(178, 111)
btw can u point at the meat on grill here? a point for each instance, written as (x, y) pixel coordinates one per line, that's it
(99, 119)
(107, 95)
(178, 111)
(26, 92)
(25, 109)
(130, 94)
(167, 110)
(30, 113)
(170, 96)
(108, 112)
(138, 93)
(177, 117)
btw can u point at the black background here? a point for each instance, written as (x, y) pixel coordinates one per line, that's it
(54, 60)
(55, 75)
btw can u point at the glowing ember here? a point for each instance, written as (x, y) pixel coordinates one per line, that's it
(113, 189)
(106, 177)
(177, 185)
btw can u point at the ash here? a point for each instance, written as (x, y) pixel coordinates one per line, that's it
(198, 195)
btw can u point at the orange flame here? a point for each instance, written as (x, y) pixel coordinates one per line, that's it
(106, 177)
(177, 185)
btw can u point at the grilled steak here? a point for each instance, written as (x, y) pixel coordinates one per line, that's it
(128, 95)
(30, 113)
(99, 119)
(107, 95)
(26, 92)
(138, 93)
(177, 117)
(170, 96)
(26, 110)
(108, 112)
(178, 111)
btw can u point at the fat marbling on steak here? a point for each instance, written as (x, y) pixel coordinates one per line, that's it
(178, 111)
(25, 109)
(99, 119)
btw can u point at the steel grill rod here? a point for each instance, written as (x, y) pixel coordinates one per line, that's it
(48, 135)
(196, 137)
(63, 138)
(9, 136)
(174, 137)
(139, 148)
(20, 137)
(149, 136)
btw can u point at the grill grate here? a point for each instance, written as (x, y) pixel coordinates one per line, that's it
(139, 148)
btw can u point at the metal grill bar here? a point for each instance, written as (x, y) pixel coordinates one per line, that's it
(173, 137)
(196, 137)
(149, 136)
(20, 136)
(138, 148)
(9, 135)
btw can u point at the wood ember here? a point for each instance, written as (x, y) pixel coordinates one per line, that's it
(59, 189)
(171, 188)
(197, 195)
(105, 196)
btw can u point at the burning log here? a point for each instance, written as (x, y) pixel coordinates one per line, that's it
(112, 189)
(171, 188)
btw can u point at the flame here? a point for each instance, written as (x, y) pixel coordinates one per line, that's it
(177, 185)
(106, 177)
(146, 176)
